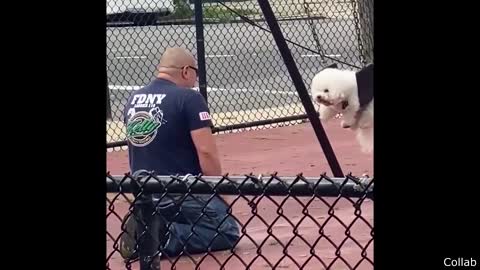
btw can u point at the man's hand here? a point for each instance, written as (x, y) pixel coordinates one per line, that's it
(207, 151)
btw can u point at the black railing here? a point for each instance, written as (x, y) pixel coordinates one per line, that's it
(239, 222)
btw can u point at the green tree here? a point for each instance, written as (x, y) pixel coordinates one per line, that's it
(182, 8)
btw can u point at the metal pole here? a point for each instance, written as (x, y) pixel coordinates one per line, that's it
(365, 17)
(109, 108)
(314, 33)
(300, 86)
(150, 228)
(202, 73)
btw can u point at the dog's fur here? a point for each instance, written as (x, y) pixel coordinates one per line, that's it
(336, 92)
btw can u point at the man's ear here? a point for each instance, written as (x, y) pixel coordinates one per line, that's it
(184, 72)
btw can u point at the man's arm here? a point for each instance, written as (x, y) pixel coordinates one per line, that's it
(200, 123)
(207, 151)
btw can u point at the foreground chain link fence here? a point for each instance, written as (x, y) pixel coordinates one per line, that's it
(245, 82)
(239, 222)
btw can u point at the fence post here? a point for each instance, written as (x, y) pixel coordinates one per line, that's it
(149, 225)
(300, 86)
(202, 73)
(314, 32)
(109, 108)
(365, 17)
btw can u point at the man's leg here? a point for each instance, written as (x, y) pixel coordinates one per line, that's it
(150, 233)
(200, 241)
(197, 233)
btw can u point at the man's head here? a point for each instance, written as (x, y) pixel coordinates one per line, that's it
(179, 66)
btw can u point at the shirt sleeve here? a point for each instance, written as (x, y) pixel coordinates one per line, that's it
(196, 111)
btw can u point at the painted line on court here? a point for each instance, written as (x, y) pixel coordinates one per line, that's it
(256, 91)
(318, 55)
(124, 87)
(218, 55)
(130, 57)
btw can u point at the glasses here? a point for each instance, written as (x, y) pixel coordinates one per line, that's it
(192, 67)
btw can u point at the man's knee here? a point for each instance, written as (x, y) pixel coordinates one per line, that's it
(196, 238)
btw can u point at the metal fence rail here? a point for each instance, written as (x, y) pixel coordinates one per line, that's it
(283, 222)
(246, 81)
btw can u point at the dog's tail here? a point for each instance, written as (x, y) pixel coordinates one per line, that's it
(365, 138)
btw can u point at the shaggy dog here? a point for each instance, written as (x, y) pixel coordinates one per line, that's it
(348, 93)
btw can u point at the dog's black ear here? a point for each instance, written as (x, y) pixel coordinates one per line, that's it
(334, 65)
(365, 84)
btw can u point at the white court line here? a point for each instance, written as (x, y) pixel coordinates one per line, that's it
(124, 87)
(218, 55)
(209, 89)
(130, 57)
(214, 89)
(257, 91)
(318, 55)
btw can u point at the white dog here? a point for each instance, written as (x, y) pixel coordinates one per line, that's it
(336, 91)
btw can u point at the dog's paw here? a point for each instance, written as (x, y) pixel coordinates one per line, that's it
(349, 119)
(346, 124)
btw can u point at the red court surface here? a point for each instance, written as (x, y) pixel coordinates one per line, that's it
(288, 151)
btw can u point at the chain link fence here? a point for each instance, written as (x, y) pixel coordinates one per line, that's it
(239, 222)
(247, 82)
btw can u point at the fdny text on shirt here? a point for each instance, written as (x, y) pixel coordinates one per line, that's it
(147, 100)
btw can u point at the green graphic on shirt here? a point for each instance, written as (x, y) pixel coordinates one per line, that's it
(143, 126)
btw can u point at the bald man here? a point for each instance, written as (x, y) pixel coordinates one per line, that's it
(169, 133)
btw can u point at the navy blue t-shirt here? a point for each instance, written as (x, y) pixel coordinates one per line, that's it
(159, 118)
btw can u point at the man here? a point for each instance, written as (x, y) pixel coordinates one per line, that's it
(169, 132)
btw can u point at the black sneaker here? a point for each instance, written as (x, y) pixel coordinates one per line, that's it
(128, 240)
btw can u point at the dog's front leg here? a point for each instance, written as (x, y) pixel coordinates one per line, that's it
(326, 113)
(349, 120)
